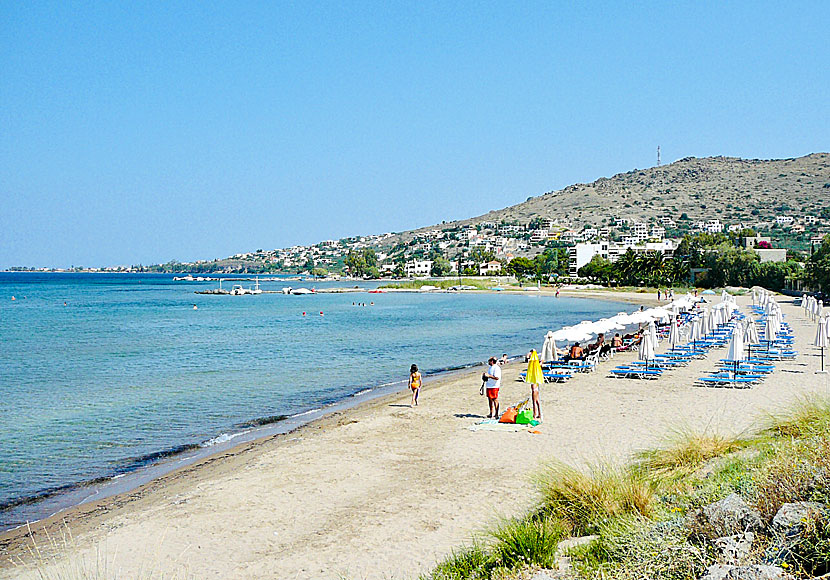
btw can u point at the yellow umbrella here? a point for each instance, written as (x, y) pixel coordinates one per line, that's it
(534, 370)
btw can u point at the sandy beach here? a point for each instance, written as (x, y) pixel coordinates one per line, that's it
(384, 490)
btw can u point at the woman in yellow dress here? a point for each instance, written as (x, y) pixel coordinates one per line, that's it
(535, 378)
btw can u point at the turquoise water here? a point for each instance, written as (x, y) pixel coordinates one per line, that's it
(128, 371)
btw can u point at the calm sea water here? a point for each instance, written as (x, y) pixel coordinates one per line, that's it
(127, 370)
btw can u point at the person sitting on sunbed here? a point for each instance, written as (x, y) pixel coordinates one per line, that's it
(576, 353)
(616, 342)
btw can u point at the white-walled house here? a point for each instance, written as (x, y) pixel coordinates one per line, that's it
(418, 268)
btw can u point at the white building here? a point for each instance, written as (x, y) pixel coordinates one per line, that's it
(418, 268)
(810, 219)
(538, 235)
(589, 233)
(658, 232)
(508, 230)
(547, 223)
(640, 231)
(581, 254)
(713, 227)
(783, 219)
(489, 268)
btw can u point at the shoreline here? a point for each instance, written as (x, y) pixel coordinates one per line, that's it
(70, 496)
(53, 502)
(99, 505)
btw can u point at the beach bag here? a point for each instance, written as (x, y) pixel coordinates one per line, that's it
(509, 416)
(524, 417)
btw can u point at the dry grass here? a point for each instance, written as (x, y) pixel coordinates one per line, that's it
(808, 416)
(585, 499)
(799, 471)
(686, 452)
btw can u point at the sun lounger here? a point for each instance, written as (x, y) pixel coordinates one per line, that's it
(633, 373)
(727, 381)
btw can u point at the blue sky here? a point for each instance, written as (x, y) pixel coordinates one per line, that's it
(140, 133)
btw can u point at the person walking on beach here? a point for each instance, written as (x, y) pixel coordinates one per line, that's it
(414, 384)
(493, 377)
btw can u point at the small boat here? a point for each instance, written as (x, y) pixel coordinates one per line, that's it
(256, 289)
(238, 290)
(297, 291)
(377, 291)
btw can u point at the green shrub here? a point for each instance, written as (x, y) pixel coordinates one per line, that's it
(635, 548)
(799, 470)
(530, 541)
(811, 554)
(467, 564)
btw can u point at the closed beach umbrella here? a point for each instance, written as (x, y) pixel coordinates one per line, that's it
(712, 323)
(534, 370)
(674, 333)
(549, 348)
(751, 333)
(646, 350)
(694, 331)
(821, 340)
(652, 330)
(736, 346)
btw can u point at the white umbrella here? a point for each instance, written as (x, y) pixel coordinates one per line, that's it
(646, 350)
(712, 322)
(674, 333)
(821, 340)
(751, 333)
(769, 329)
(652, 331)
(694, 331)
(736, 347)
(548, 348)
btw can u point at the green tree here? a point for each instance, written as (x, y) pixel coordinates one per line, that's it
(440, 266)
(818, 266)
(521, 268)
(362, 263)
(598, 269)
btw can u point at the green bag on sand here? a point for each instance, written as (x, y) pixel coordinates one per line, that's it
(524, 417)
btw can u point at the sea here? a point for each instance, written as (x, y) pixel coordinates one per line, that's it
(106, 380)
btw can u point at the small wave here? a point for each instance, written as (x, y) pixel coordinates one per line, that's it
(309, 412)
(363, 392)
(262, 421)
(223, 438)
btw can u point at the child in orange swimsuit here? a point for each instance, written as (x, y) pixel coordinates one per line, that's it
(414, 384)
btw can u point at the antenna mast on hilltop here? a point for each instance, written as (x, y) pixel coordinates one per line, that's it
(658, 156)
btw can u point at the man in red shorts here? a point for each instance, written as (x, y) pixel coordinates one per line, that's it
(493, 378)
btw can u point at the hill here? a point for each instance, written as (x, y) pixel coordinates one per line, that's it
(731, 189)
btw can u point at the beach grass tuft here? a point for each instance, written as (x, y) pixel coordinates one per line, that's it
(528, 541)
(583, 500)
(469, 563)
(686, 451)
(808, 415)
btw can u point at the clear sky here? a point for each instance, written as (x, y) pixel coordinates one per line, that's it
(143, 132)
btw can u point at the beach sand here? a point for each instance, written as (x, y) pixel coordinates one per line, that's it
(385, 491)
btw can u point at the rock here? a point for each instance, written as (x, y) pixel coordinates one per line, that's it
(787, 526)
(754, 572)
(571, 543)
(735, 549)
(716, 572)
(732, 515)
(789, 520)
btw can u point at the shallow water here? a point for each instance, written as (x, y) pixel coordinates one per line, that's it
(128, 371)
